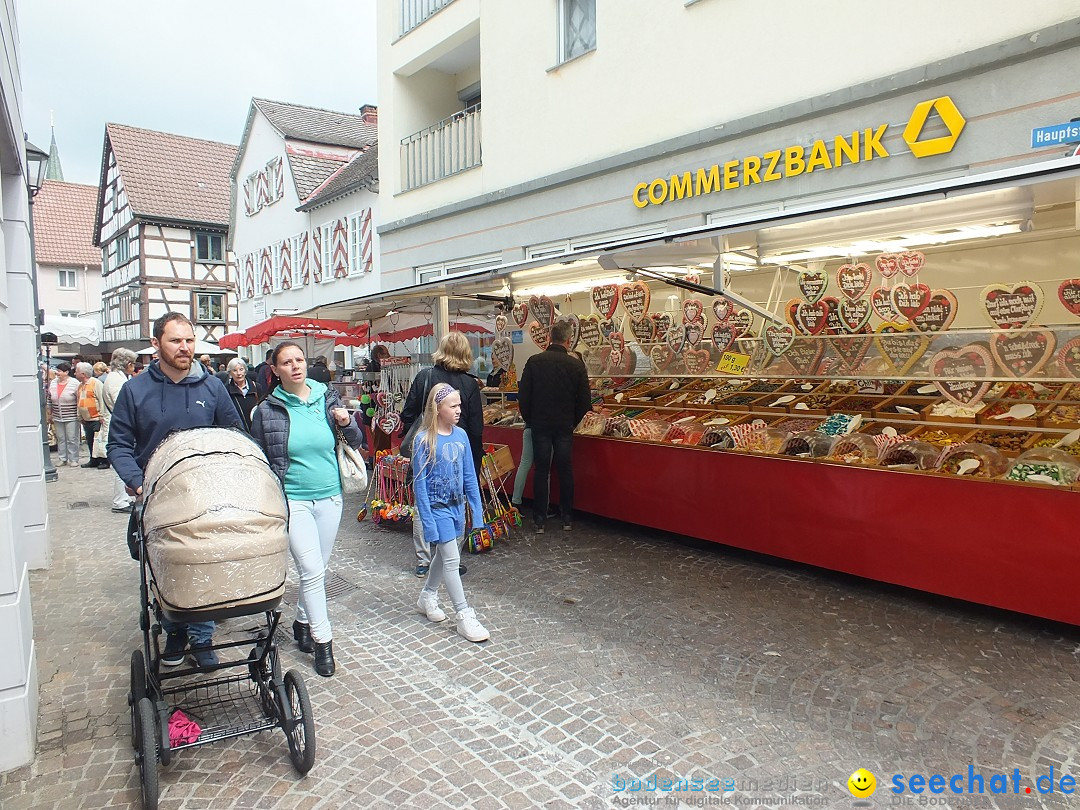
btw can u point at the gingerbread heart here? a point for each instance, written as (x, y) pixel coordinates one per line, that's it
(854, 314)
(696, 360)
(1012, 306)
(644, 330)
(813, 284)
(778, 339)
(605, 298)
(1068, 358)
(676, 339)
(500, 324)
(575, 327)
(939, 312)
(790, 308)
(910, 262)
(542, 309)
(590, 331)
(520, 312)
(887, 264)
(692, 310)
(851, 351)
(663, 323)
(743, 319)
(635, 299)
(1069, 295)
(695, 331)
(910, 299)
(1022, 354)
(722, 309)
(881, 301)
(724, 335)
(804, 356)
(607, 326)
(811, 318)
(661, 356)
(961, 374)
(617, 341)
(854, 280)
(833, 324)
(901, 346)
(540, 334)
(502, 349)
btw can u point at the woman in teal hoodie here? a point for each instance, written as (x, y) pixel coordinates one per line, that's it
(296, 425)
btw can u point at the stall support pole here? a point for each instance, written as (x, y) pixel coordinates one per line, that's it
(442, 318)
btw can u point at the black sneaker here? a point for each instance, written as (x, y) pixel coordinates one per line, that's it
(462, 570)
(539, 527)
(567, 526)
(421, 570)
(204, 656)
(175, 650)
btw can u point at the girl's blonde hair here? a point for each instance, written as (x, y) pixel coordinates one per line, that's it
(429, 424)
(454, 352)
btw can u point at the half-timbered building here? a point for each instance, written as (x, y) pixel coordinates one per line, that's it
(305, 186)
(162, 225)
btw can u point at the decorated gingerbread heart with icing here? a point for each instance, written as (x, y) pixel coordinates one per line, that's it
(851, 350)
(590, 331)
(811, 318)
(854, 280)
(812, 284)
(695, 331)
(644, 330)
(881, 301)
(540, 334)
(900, 345)
(938, 314)
(722, 309)
(692, 311)
(605, 298)
(887, 264)
(724, 335)
(778, 339)
(520, 311)
(635, 299)
(661, 356)
(696, 360)
(1022, 354)
(804, 354)
(1068, 358)
(1012, 306)
(910, 262)
(663, 323)
(500, 324)
(502, 349)
(961, 374)
(676, 339)
(743, 319)
(854, 314)
(575, 327)
(1069, 295)
(910, 299)
(542, 309)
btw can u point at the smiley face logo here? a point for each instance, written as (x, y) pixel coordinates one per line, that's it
(862, 783)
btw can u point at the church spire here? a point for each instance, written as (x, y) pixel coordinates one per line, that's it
(53, 170)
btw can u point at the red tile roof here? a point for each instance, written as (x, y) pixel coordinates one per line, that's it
(362, 171)
(64, 224)
(172, 176)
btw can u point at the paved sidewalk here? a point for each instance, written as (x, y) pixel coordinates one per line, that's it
(616, 654)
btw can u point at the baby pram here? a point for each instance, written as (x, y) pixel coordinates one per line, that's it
(211, 533)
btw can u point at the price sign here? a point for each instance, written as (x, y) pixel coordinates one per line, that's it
(733, 363)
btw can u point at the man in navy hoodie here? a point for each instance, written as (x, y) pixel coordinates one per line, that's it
(174, 393)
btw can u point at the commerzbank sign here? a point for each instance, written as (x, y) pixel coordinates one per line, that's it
(860, 146)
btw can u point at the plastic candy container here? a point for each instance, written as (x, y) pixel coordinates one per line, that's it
(974, 460)
(914, 455)
(809, 444)
(766, 440)
(840, 423)
(855, 448)
(1045, 465)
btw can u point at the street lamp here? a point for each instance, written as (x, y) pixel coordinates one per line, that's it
(36, 162)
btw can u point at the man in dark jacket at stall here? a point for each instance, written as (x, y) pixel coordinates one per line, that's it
(319, 371)
(175, 392)
(553, 395)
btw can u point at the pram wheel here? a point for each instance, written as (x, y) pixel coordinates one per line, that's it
(297, 722)
(146, 753)
(136, 692)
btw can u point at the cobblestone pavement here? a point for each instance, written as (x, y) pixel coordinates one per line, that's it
(616, 654)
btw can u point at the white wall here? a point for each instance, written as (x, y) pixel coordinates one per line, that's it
(24, 521)
(85, 298)
(664, 69)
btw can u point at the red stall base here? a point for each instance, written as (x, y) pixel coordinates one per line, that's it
(1012, 546)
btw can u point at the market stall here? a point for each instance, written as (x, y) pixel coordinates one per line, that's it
(888, 393)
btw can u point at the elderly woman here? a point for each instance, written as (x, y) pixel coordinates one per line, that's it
(101, 370)
(241, 390)
(90, 393)
(63, 399)
(121, 367)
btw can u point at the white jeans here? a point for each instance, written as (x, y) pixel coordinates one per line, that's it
(120, 498)
(69, 436)
(313, 528)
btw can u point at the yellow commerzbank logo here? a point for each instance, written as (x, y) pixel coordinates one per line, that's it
(861, 146)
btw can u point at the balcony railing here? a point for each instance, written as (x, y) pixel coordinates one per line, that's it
(442, 150)
(414, 12)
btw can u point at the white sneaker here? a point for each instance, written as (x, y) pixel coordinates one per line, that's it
(468, 627)
(428, 605)
(73, 463)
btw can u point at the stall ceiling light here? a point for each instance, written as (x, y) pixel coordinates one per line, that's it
(567, 288)
(972, 216)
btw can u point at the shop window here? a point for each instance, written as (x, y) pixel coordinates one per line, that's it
(68, 280)
(210, 247)
(577, 28)
(210, 307)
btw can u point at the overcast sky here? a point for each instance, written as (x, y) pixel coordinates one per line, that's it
(189, 67)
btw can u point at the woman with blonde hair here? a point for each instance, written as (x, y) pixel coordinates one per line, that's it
(453, 359)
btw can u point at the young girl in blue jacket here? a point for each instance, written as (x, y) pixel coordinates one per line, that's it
(443, 478)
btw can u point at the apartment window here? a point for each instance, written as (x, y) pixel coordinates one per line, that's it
(210, 307)
(68, 280)
(298, 245)
(275, 266)
(123, 249)
(209, 247)
(327, 251)
(577, 28)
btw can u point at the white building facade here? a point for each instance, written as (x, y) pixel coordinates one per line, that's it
(604, 97)
(24, 521)
(305, 200)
